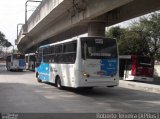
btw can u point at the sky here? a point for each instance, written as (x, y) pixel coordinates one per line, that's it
(12, 12)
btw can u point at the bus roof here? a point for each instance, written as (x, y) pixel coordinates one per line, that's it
(29, 54)
(72, 39)
(125, 56)
(131, 56)
(15, 54)
(68, 40)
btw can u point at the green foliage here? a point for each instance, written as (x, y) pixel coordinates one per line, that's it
(133, 42)
(115, 32)
(3, 41)
(141, 38)
(151, 30)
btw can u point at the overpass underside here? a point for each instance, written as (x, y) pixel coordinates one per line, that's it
(56, 20)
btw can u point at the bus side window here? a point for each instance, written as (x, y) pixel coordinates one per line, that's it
(58, 52)
(84, 49)
(69, 52)
(39, 57)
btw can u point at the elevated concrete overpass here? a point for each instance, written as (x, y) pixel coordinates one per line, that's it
(55, 20)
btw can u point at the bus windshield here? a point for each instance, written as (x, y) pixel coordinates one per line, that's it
(98, 48)
(18, 56)
(144, 61)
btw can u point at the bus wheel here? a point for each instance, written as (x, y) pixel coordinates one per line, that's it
(58, 82)
(110, 86)
(89, 88)
(37, 76)
(9, 69)
(21, 70)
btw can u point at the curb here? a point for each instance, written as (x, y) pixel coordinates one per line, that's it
(140, 86)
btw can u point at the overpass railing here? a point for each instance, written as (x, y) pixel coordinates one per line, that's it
(44, 8)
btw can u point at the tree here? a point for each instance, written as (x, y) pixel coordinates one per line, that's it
(141, 38)
(151, 30)
(133, 42)
(3, 41)
(115, 32)
(130, 40)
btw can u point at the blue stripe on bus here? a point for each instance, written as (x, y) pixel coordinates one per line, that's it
(21, 62)
(109, 66)
(43, 71)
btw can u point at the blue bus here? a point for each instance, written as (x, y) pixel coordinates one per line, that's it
(15, 62)
(79, 62)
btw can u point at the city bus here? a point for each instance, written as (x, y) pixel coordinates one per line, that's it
(15, 62)
(30, 60)
(79, 62)
(134, 67)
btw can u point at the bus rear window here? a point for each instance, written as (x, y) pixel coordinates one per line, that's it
(144, 61)
(98, 48)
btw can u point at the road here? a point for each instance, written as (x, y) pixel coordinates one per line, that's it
(20, 92)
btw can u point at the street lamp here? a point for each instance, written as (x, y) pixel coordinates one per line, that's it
(26, 8)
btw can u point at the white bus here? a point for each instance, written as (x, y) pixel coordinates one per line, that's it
(15, 62)
(79, 62)
(30, 60)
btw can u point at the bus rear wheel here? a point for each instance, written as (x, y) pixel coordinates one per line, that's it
(20, 70)
(7, 68)
(58, 83)
(89, 88)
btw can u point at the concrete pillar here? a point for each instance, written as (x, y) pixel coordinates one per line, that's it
(96, 29)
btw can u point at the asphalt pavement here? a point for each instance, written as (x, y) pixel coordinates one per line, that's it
(21, 93)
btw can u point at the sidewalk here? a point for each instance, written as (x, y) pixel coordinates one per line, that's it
(142, 86)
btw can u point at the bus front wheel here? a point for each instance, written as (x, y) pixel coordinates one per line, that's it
(37, 76)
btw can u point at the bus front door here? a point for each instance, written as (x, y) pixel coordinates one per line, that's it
(127, 70)
(52, 74)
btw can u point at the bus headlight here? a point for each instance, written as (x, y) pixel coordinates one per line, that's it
(86, 74)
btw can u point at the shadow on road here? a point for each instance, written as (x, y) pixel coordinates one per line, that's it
(46, 98)
(3, 71)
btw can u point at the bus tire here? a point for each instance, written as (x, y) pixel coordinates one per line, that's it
(20, 70)
(58, 82)
(89, 88)
(110, 86)
(38, 78)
